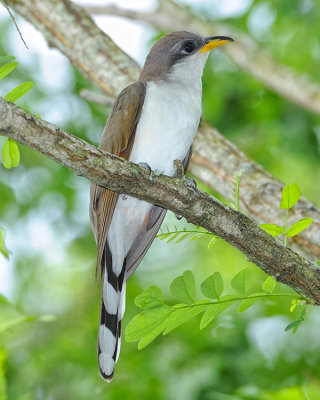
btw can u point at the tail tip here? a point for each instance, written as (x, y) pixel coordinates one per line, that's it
(106, 365)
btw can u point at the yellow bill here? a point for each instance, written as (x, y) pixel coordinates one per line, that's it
(215, 41)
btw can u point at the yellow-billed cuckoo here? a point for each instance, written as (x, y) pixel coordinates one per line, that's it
(153, 121)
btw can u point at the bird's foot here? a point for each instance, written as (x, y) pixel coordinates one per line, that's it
(191, 182)
(145, 166)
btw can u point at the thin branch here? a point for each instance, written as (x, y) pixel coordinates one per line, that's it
(245, 52)
(14, 21)
(175, 194)
(97, 98)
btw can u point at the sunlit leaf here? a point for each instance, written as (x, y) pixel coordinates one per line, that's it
(184, 287)
(3, 247)
(10, 154)
(269, 284)
(246, 303)
(195, 237)
(242, 281)
(7, 68)
(6, 59)
(149, 298)
(146, 324)
(18, 92)
(273, 229)
(182, 315)
(173, 236)
(299, 227)
(213, 241)
(212, 287)
(290, 195)
(182, 237)
(214, 310)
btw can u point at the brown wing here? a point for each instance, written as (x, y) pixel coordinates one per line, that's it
(117, 138)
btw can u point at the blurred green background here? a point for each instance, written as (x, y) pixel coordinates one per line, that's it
(43, 208)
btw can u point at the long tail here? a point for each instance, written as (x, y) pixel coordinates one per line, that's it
(112, 310)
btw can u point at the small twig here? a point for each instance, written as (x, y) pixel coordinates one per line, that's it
(14, 21)
(97, 98)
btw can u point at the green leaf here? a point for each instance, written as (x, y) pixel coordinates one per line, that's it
(10, 154)
(182, 315)
(246, 303)
(212, 287)
(6, 59)
(149, 298)
(214, 310)
(299, 227)
(164, 236)
(182, 237)
(273, 229)
(195, 237)
(290, 195)
(148, 324)
(18, 92)
(295, 324)
(242, 281)
(269, 284)
(173, 236)
(318, 262)
(7, 68)
(3, 248)
(213, 241)
(184, 287)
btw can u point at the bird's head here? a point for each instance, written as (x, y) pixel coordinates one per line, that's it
(179, 55)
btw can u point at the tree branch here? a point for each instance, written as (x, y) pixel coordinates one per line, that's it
(215, 160)
(175, 194)
(245, 52)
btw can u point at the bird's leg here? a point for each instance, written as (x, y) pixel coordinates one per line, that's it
(179, 173)
(178, 168)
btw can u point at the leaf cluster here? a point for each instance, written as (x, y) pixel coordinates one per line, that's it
(290, 196)
(178, 236)
(159, 317)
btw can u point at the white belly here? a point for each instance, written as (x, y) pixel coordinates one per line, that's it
(167, 126)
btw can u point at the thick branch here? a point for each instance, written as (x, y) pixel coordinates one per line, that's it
(245, 52)
(215, 160)
(175, 194)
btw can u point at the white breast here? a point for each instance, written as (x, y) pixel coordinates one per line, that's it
(168, 123)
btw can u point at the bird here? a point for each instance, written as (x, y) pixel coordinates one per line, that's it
(153, 122)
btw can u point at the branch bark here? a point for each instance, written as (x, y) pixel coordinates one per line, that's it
(245, 52)
(215, 160)
(175, 194)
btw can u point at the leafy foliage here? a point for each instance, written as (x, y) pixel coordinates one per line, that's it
(178, 236)
(10, 150)
(158, 317)
(290, 196)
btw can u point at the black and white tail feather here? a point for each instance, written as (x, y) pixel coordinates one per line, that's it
(112, 310)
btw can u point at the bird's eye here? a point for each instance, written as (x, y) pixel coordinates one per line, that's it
(188, 47)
